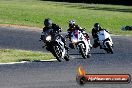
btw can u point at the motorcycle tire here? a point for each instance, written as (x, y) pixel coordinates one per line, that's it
(82, 52)
(66, 58)
(89, 55)
(110, 49)
(57, 53)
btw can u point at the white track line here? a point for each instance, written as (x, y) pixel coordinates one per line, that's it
(14, 63)
(11, 63)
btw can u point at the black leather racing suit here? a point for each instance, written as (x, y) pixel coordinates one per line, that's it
(55, 27)
(95, 36)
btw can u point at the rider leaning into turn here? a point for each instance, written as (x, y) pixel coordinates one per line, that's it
(73, 26)
(95, 30)
(49, 25)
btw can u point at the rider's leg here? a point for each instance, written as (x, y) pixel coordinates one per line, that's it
(96, 44)
(64, 41)
(88, 39)
(89, 44)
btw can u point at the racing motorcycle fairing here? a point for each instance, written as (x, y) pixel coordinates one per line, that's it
(77, 38)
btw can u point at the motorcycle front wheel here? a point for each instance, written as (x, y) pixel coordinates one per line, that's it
(57, 52)
(110, 49)
(82, 51)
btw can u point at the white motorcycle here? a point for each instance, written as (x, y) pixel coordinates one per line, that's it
(81, 43)
(53, 43)
(105, 41)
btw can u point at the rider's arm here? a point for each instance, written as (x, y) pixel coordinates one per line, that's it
(93, 33)
(56, 27)
(80, 28)
(107, 31)
(44, 29)
(60, 29)
(69, 30)
(68, 33)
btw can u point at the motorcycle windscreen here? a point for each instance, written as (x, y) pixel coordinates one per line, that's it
(74, 37)
(47, 33)
(102, 35)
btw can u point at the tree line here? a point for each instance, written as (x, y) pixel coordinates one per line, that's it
(117, 2)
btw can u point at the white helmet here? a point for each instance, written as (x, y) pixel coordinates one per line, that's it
(71, 22)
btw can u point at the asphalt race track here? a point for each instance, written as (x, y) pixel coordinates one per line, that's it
(54, 74)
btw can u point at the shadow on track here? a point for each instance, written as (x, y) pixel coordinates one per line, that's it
(98, 53)
(24, 39)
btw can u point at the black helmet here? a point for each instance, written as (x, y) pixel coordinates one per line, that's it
(97, 26)
(47, 22)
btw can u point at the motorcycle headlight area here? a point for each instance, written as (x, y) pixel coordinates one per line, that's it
(48, 38)
(74, 41)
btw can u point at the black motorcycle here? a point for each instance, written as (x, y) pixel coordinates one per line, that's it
(53, 43)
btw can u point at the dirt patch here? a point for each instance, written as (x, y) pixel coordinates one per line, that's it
(20, 26)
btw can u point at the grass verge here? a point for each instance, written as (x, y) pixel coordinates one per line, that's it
(33, 12)
(12, 55)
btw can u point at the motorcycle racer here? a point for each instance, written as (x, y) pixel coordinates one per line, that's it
(50, 25)
(73, 26)
(95, 30)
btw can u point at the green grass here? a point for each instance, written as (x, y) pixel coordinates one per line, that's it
(11, 55)
(33, 12)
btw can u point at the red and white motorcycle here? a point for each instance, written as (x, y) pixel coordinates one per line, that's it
(82, 44)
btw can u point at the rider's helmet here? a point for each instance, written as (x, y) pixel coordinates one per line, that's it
(48, 22)
(97, 26)
(71, 23)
